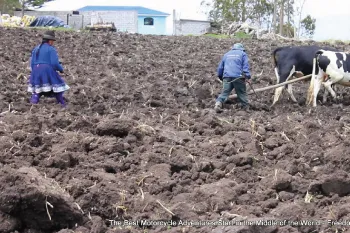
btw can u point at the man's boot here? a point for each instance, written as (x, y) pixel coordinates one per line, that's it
(246, 108)
(218, 106)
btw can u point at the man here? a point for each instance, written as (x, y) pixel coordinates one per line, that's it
(233, 71)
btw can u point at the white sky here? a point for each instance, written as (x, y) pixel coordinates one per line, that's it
(332, 16)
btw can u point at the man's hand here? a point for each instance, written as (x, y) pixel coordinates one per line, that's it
(220, 79)
(248, 81)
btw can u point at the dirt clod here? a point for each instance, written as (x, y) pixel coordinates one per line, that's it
(117, 128)
(282, 182)
(8, 223)
(336, 184)
(36, 199)
(242, 159)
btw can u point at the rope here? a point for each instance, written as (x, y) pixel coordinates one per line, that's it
(234, 80)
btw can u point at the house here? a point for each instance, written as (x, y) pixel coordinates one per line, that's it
(191, 27)
(148, 21)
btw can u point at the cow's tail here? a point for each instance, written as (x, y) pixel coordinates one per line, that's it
(274, 61)
(310, 93)
(278, 90)
(317, 55)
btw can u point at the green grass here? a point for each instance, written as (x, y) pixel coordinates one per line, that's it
(218, 36)
(59, 29)
(242, 35)
(53, 28)
(238, 35)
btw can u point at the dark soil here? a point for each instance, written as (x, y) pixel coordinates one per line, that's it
(140, 141)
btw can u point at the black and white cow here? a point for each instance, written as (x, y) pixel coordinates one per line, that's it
(293, 61)
(330, 68)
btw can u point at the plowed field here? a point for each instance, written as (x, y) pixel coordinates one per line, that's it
(140, 142)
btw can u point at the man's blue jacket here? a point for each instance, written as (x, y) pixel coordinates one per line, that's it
(234, 64)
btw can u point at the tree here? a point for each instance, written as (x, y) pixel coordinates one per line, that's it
(285, 10)
(7, 6)
(289, 11)
(299, 10)
(281, 17)
(274, 15)
(30, 3)
(239, 10)
(260, 12)
(309, 25)
(288, 30)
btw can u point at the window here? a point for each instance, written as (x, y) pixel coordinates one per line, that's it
(148, 21)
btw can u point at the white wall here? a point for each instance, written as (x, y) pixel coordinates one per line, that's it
(189, 9)
(192, 27)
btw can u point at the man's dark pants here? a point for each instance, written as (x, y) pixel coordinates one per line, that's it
(240, 87)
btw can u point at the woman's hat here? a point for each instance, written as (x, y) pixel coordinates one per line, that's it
(49, 35)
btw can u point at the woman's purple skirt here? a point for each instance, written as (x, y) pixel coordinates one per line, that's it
(45, 79)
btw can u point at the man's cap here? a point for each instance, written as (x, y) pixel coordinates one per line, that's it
(238, 46)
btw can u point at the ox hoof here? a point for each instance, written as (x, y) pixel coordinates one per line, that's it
(337, 100)
(294, 100)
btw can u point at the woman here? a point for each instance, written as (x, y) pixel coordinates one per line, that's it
(44, 78)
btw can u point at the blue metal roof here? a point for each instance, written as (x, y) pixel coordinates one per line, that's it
(140, 10)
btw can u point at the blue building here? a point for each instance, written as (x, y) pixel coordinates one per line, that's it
(148, 21)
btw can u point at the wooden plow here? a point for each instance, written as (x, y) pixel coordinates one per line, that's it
(273, 86)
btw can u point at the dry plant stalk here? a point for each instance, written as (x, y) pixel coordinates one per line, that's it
(142, 179)
(212, 90)
(21, 75)
(192, 82)
(284, 136)
(142, 194)
(171, 151)
(123, 195)
(224, 120)
(257, 135)
(253, 128)
(143, 128)
(331, 212)
(275, 176)
(228, 214)
(161, 118)
(308, 197)
(79, 208)
(47, 209)
(143, 210)
(165, 208)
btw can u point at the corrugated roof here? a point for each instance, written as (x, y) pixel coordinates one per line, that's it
(140, 10)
